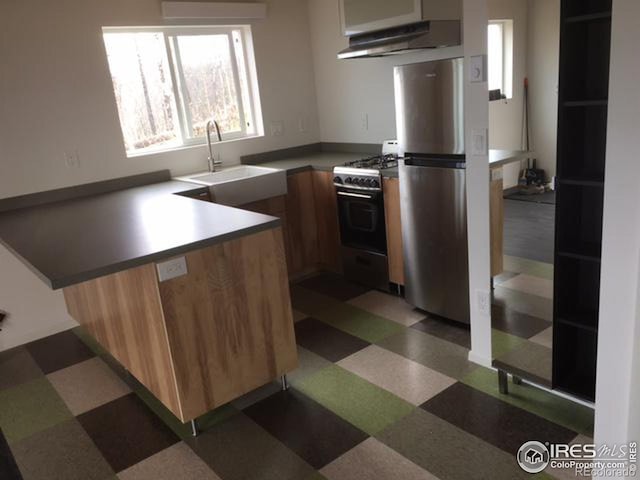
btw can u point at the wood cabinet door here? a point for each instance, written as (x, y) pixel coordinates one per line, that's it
(497, 223)
(395, 253)
(326, 204)
(302, 229)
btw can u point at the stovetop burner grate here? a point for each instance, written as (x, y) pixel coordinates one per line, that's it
(377, 162)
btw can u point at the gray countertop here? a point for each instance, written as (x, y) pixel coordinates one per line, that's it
(326, 161)
(75, 240)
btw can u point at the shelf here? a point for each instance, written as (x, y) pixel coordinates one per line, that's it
(586, 103)
(590, 17)
(577, 290)
(580, 256)
(581, 182)
(576, 325)
(579, 211)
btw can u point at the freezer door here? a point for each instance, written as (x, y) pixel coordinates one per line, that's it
(434, 232)
(430, 107)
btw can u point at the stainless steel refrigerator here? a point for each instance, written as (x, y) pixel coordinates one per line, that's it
(430, 126)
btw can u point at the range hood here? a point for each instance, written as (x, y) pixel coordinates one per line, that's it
(404, 39)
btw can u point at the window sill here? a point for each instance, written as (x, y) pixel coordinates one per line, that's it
(151, 153)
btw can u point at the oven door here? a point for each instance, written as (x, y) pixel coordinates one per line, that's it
(362, 223)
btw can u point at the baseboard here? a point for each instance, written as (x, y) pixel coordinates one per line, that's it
(7, 342)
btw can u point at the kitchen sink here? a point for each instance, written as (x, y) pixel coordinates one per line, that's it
(243, 184)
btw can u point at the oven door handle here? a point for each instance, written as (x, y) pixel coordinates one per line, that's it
(355, 195)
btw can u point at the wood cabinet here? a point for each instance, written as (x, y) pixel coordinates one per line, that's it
(391, 188)
(200, 340)
(302, 228)
(326, 212)
(497, 221)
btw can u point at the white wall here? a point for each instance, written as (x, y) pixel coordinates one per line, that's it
(505, 116)
(543, 60)
(349, 90)
(56, 96)
(617, 387)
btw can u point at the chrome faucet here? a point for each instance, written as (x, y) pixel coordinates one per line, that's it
(211, 160)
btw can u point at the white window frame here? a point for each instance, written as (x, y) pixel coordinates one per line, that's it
(506, 27)
(251, 129)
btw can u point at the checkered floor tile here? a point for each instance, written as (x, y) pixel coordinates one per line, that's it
(382, 392)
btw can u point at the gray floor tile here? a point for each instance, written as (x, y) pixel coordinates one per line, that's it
(447, 451)
(388, 306)
(523, 302)
(530, 360)
(308, 364)
(440, 355)
(372, 460)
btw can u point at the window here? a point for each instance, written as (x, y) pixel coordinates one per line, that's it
(500, 51)
(169, 82)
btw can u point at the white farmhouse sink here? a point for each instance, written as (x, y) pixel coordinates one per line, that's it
(243, 184)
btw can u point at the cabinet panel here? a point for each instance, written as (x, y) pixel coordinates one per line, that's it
(302, 229)
(326, 208)
(497, 223)
(394, 230)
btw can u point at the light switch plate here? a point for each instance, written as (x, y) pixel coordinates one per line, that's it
(479, 141)
(484, 302)
(478, 69)
(176, 267)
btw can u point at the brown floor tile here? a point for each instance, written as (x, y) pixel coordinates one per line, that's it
(544, 338)
(126, 431)
(177, 462)
(59, 351)
(496, 422)
(327, 341)
(335, 286)
(445, 329)
(313, 432)
(517, 323)
(530, 361)
(64, 451)
(8, 467)
(16, 367)
(87, 385)
(238, 449)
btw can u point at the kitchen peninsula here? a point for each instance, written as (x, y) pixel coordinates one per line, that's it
(191, 297)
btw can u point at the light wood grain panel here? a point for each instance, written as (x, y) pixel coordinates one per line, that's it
(497, 224)
(326, 208)
(395, 253)
(123, 313)
(302, 229)
(229, 321)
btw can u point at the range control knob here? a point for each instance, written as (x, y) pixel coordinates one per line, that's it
(337, 180)
(362, 182)
(373, 183)
(348, 180)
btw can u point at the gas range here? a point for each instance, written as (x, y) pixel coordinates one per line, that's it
(364, 174)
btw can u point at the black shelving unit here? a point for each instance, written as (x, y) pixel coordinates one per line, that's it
(585, 42)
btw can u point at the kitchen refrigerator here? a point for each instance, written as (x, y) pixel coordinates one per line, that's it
(430, 125)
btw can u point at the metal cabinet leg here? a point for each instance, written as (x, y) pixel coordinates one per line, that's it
(503, 384)
(194, 428)
(517, 380)
(284, 382)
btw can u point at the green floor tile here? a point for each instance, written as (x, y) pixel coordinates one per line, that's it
(30, 408)
(361, 403)
(502, 343)
(530, 267)
(544, 404)
(183, 430)
(358, 322)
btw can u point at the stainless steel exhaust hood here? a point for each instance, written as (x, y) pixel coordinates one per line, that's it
(404, 39)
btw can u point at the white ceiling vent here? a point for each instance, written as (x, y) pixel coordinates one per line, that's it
(214, 10)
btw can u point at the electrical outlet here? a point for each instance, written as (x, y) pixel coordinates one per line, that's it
(72, 159)
(484, 302)
(277, 128)
(479, 142)
(302, 125)
(173, 268)
(365, 121)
